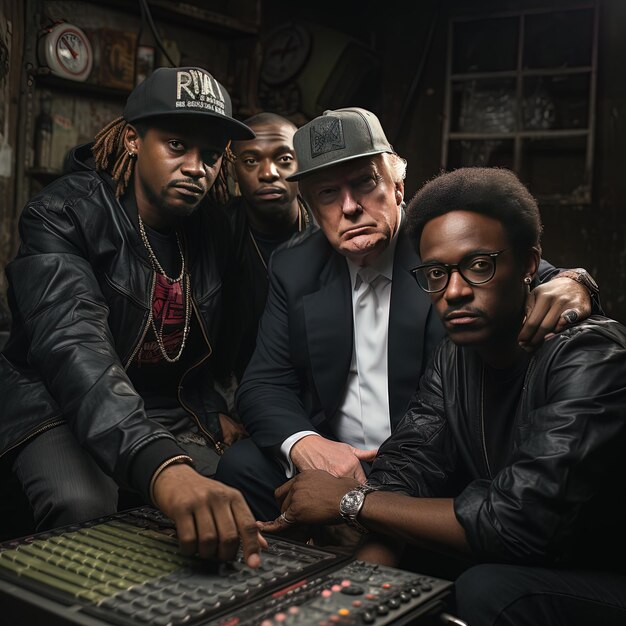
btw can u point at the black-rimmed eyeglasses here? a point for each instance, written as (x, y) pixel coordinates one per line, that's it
(476, 269)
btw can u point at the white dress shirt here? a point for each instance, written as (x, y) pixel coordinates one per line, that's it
(362, 419)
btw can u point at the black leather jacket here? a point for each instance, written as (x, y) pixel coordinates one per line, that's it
(80, 290)
(560, 499)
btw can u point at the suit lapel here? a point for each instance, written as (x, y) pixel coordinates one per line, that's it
(328, 323)
(407, 324)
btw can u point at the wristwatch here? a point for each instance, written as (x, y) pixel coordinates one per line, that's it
(582, 276)
(351, 505)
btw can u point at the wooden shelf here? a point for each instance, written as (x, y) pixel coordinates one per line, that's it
(524, 134)
(48, 81)
(548, 71)
(190, 15)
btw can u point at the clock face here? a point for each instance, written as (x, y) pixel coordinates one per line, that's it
(67, 52)
(286, 51)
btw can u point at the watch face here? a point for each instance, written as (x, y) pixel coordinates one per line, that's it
(351, 503)
(352, 500)
(67, 52)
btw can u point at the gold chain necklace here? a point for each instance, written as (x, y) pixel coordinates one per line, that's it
(303, 216)
(153, 259)
(256, 247)
(185, 281)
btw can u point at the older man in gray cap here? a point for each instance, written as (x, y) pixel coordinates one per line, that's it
(346, 334)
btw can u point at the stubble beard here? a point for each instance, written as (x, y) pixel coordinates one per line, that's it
(175, 211)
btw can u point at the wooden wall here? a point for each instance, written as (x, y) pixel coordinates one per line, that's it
(11, 36)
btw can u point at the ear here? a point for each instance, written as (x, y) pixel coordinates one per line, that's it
(132, 140)
(532, 262)
(399, 192)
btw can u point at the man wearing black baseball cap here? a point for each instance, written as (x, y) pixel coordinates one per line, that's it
(339, 350)
(118, 296)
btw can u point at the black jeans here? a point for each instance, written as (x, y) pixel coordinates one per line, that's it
(64, 485)
(514, 595)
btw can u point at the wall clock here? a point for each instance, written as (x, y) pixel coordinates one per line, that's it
(66, 50)
(286, 51)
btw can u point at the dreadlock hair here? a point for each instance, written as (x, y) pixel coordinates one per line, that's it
(111, 156)
(220, 192)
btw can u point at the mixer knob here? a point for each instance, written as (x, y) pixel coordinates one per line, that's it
(394, 602)
(352, 590)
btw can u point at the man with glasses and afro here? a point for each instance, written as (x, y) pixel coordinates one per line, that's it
(509, 460)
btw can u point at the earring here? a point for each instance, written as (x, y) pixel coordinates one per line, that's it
(528, 280)
(132, 155)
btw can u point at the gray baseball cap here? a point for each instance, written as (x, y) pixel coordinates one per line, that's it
(335, 137)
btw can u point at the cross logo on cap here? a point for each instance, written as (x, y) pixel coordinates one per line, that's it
(326, 136)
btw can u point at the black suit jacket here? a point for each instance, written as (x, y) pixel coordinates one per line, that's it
(298, 372)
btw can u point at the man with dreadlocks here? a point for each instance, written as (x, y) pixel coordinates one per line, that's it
(117, 294)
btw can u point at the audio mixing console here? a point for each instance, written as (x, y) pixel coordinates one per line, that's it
(126, 570)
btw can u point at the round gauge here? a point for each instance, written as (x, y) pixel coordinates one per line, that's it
(65, 49)
(286, 50)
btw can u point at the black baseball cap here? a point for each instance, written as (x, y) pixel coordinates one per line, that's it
(184, 91)
(336, 137)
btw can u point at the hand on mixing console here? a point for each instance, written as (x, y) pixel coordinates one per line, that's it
(312, 497)
(211, 518)
(338, 459)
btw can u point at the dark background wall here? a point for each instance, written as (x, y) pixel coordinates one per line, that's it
(400, 75)
(411, 40)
